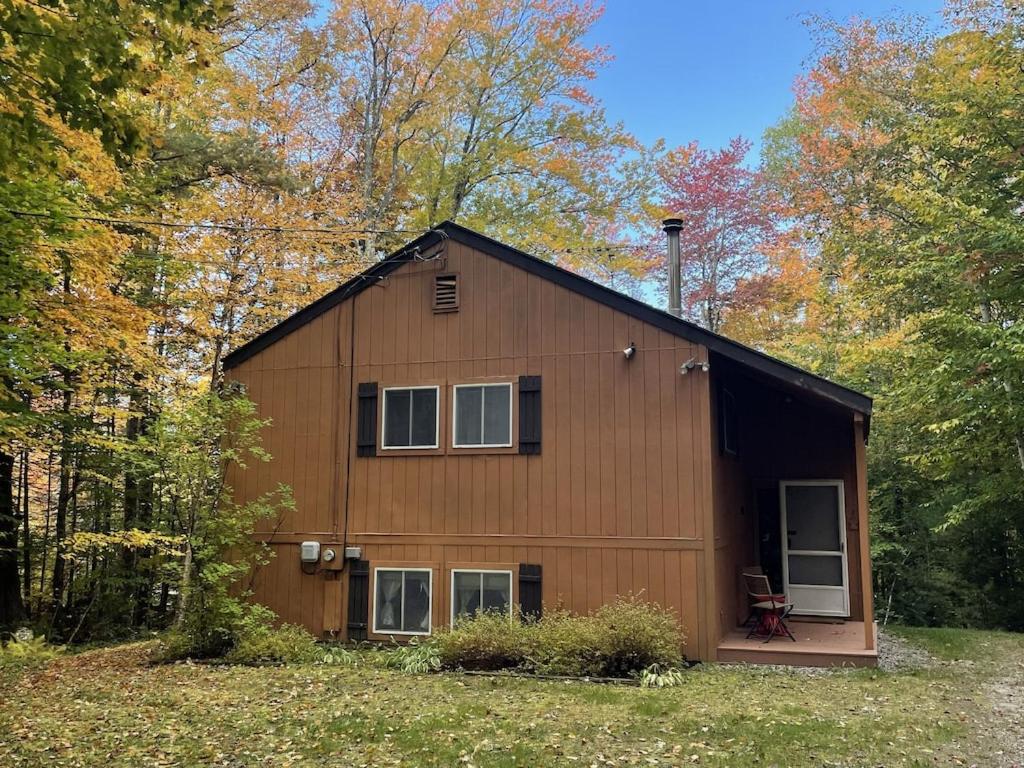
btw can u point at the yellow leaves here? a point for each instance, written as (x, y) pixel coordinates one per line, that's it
(243, 281)
(85, 543)
(941, 427)
(8, 107)
(81, 158)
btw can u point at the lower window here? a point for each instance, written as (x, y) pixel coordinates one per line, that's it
(476, 591)
(401, 603)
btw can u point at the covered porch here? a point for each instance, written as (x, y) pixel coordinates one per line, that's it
(790, 501)
(820, 643)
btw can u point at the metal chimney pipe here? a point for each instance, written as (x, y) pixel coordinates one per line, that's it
(671, 228)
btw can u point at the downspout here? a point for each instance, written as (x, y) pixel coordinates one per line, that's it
(348, 447)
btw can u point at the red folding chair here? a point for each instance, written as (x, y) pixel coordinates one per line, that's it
(768, 609)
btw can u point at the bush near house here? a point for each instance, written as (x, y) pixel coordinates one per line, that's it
(620, 639)
(486, 642)
(250, 637)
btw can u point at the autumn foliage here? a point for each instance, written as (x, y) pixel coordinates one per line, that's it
(177, 178)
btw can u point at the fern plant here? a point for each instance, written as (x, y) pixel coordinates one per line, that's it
(28, 650)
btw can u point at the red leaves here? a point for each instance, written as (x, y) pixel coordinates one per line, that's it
(727, 218)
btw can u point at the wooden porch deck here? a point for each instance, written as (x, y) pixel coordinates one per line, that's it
(819, 643)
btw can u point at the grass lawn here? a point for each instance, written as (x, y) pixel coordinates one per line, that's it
(109, 708)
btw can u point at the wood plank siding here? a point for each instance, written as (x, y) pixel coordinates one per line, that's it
(622, 486)
(615, 503)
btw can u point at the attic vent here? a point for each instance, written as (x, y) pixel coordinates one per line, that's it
(446, 293)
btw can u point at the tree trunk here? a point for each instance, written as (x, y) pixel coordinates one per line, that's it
(138, 505)
(72, 565)
(12, 609)
(185, 588)
(26, 541)
(45, 543)
(60, 519)
(64, 484)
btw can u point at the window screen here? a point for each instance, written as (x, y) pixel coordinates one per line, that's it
(410, 418)
(476, 591)
(812, 518)
(483, 415)
(402, 601)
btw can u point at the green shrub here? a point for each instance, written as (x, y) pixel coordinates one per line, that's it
(486, 642)
(259, 641)
(250, 638)
(172, 646)
(563, 644)
(621, 639)
(636, 635)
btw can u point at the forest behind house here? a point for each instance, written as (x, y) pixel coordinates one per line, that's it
(175, 178)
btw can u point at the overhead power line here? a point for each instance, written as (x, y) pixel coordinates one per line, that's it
(607, 250)
(209, 225)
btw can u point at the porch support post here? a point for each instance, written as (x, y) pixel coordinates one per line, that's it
(860, 452)
(710, 617)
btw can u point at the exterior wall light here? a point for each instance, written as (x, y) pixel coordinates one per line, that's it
(690, 364)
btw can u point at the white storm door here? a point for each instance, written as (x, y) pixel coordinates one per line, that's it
(814, 547)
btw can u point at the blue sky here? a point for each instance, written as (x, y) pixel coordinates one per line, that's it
(686, 69)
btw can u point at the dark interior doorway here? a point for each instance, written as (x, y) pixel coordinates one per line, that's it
(769, 532)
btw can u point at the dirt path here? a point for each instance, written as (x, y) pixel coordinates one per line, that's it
(1006, 717)
(994, 714)
(991, 700)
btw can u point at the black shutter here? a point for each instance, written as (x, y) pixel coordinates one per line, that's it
(529, 592)
(366, 426)
(358, 599)
(529, 414)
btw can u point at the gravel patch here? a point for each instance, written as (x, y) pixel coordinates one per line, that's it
(1007, 718)
(897, 655)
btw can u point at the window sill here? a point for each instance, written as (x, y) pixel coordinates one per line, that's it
(400, 452)
(395, 633)
(478, 450)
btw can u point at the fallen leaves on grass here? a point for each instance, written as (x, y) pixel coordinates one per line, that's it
(110, 708)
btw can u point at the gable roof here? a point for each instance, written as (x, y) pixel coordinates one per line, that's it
(739, 353)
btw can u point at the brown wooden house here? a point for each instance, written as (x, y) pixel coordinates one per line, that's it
(464, 425)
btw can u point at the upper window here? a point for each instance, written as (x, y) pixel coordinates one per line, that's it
(410, 417)
(729, 423)
(401, 603)
(483, 416)
(477, 591)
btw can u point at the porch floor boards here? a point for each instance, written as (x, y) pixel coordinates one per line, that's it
(818, 644)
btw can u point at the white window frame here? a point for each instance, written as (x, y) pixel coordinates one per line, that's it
(481, 571)
(455, 414)
(430, 600)
(384, 418)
